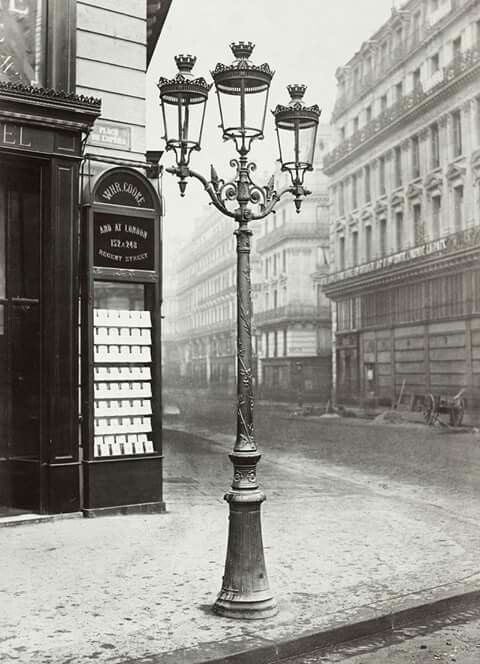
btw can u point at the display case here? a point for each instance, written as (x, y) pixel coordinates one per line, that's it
(121, 363)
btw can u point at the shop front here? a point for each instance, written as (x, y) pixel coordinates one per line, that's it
(41, 134)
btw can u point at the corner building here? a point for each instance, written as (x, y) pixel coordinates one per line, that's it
(72, 108)
(405, 217)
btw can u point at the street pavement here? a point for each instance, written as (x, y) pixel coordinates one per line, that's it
(361, 520)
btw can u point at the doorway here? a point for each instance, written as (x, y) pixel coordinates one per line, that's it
(20, 335)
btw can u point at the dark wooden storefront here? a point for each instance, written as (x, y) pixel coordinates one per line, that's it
(41, 133)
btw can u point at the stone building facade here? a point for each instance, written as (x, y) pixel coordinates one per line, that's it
(291, 315)
(405, 222)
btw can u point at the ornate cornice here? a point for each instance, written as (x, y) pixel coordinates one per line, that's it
(45, 94)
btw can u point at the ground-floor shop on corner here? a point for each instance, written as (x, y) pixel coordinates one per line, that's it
(49, 462)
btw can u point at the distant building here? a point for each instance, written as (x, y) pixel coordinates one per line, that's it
(291, 319)
(405, 192)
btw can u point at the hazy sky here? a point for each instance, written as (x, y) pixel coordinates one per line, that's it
(304, 41)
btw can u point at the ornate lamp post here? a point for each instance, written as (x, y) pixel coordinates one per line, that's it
(242, 91)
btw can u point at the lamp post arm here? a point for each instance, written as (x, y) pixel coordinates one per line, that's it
(184, 172)
(297, 190)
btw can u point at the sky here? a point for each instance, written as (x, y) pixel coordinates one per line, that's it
(304, 41)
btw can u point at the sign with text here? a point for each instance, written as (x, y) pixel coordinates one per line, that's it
(111, 135)
(123, 242)
(124, 188)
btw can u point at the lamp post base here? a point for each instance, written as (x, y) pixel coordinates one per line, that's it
(245, 593)
(243, 608)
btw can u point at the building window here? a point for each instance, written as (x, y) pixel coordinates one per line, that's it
(341, 253)
(367, 184)
(383, 102)
(417, 78)
(355, 124)
(457, 133)
(458, 205)
(368, 243)
(434, 63)
(457, 47)
(342, 133)
(266, 268)
(381, 175)
(399, 230)
(416, 27)
(384, 55)
(398, 91)
(275, 261)
(284, 260)
(368, 114)
(354, 192)
(398, 166)
(418, 226)
(275, 299)
(341, 199)
(275, 344)
(436, 211)
(383, 237)
(284, 342)
(415, 157)
(435, 145)
(355, 248)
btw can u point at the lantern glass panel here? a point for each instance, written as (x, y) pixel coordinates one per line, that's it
(183, 120)
(243, 111)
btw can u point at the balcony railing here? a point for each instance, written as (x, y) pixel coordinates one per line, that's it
(396, 55)
(290, 230)
(291, 312)
(457, 67)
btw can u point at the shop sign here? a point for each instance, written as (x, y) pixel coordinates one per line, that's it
(123, 242)
(25, 138)
(111, 135)
(120, 188)
(465, 239)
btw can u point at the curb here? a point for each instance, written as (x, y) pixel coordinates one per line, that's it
(29, 519)
(275, 651)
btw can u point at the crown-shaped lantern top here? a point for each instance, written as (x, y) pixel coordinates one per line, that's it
(185, 63)
(242, 50)
(296, 91)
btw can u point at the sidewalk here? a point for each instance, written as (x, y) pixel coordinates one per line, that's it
(139, 588)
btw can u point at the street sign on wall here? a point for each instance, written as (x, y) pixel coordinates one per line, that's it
(110, 135)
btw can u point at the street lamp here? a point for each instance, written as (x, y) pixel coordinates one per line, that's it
(242, 91)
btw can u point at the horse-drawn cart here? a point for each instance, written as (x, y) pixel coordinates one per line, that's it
(436, 405)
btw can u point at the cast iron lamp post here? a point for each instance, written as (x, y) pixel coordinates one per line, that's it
(242, 91)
